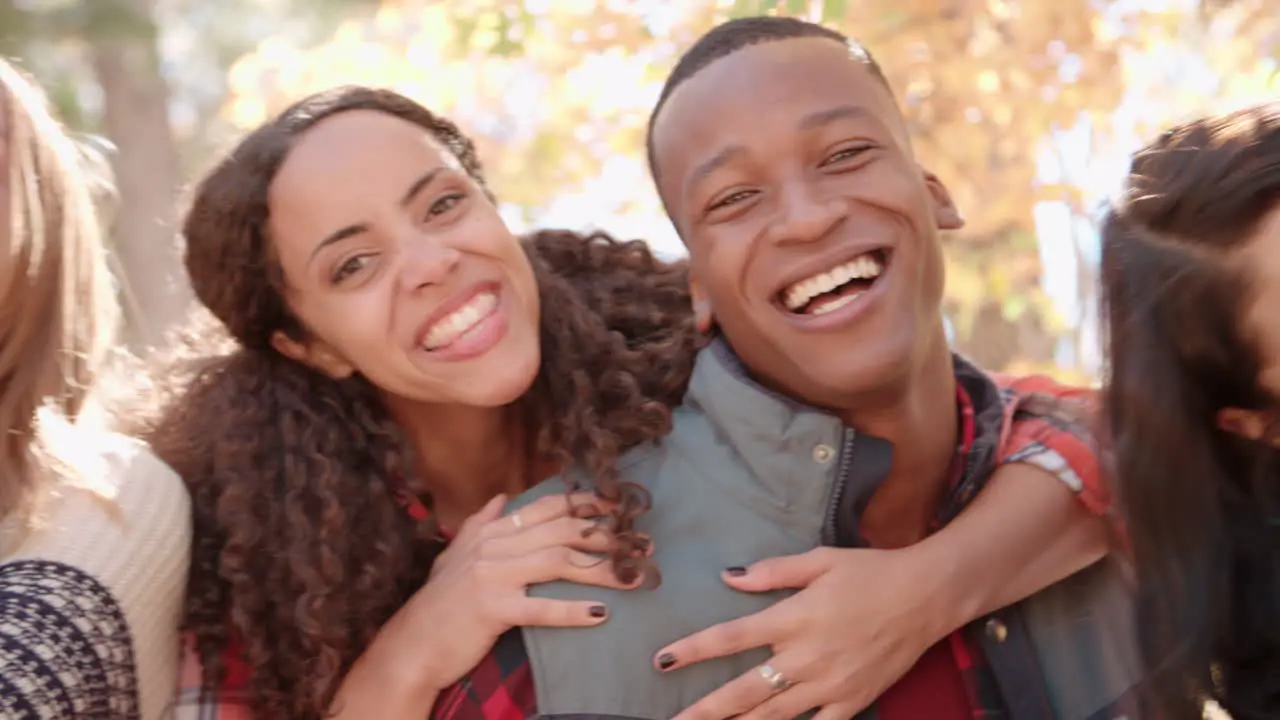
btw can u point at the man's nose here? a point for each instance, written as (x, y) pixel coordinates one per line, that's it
(805, 214)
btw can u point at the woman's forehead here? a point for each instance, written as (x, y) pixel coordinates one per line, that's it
(360, 139)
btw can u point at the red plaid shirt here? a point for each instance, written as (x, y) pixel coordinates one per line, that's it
(1049, 441)
(501, 687)
(951, 680)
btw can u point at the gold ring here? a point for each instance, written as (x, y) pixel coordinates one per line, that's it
(777, 682)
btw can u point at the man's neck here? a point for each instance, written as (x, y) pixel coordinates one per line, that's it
(922, 426)
(465, 455)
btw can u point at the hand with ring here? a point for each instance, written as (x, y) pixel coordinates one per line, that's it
(777, 681)
(477, 587)
(849, 634)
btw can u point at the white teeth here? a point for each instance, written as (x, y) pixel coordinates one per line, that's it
(452, 326)
(822, 307)
(863, 267)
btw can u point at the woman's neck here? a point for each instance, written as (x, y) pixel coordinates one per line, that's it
(467, 455)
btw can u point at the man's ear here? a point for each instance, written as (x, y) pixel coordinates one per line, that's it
(702, 313)
(1248, 424)
(312, 354)
(944, 208)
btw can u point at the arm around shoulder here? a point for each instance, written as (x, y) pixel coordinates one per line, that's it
(1041, 517)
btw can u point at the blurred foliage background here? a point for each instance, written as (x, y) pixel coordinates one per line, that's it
(1028, 109)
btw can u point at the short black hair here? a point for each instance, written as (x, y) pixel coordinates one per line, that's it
(733, 35)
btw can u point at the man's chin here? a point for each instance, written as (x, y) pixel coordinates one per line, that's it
(850, 380)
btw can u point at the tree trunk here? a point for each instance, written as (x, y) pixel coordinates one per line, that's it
(148, 175)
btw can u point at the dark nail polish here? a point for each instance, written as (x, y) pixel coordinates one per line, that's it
(666, 660)
(598, 611)
(735, 571)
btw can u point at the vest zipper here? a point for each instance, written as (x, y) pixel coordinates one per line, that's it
(837, 489)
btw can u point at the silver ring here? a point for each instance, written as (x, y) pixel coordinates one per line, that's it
(515, 520)
(776, 681)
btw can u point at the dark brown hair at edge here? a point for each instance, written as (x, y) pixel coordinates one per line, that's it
(301, 550)
(1200, 504)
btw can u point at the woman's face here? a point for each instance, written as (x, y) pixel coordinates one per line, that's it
(1260, 259)
(400, 267)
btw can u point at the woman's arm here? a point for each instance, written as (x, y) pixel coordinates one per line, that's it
(112, 551)
(1042, 516)
(1024, 532)
(378, 686)
(862, 618)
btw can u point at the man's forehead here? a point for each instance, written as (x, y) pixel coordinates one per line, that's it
(793, 80)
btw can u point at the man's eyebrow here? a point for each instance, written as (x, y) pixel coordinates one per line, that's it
(809, 122)
(830, 115)
(715, 162)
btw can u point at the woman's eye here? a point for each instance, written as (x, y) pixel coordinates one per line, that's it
(349, 267)
(444, 204)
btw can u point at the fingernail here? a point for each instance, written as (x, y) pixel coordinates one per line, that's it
(735, 571)
(665, 661)
(598, 611)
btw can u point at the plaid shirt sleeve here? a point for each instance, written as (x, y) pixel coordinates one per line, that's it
(500, 688)
(230, 701)
(1051, 429)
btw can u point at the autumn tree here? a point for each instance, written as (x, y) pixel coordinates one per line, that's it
(557, 92)
(103, 64)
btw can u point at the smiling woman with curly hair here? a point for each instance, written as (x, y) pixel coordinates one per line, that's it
(393, 362)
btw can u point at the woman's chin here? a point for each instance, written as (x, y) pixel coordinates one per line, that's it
(495, 381)
(502, 385)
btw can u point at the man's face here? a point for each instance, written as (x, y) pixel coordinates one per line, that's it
(812, 231)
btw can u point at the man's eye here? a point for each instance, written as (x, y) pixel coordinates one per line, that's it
(844, 154)
(731, 199)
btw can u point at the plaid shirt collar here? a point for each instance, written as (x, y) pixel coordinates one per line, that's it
(968, 474)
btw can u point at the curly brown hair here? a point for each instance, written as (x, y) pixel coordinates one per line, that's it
(291, 471)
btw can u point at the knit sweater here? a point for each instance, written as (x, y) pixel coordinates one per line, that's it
(91, 595)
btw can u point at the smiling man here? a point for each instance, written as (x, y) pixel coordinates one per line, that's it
(813, 235)
(829, 410)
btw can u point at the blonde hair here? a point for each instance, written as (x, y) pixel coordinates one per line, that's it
(58, 307)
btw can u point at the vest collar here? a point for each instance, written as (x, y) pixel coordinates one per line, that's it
(737, 405)
(725, 391)
(768, 428)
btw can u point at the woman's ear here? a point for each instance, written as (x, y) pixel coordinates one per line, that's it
(315, 355)
(1248, 424)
